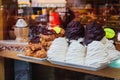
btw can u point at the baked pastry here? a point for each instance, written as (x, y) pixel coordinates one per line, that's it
(76, 53)
(96, 55)
(28, 52)
(111, 50)
(40, 54)
(40, 41)
(34, 46)
(58, 50)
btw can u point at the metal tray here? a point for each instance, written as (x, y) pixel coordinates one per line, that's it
(78, 66)
(32, 58)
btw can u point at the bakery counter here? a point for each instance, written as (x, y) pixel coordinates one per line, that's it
(106, 72)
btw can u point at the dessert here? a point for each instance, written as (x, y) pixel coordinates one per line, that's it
(94, 32)
(99, 49)
(96, 55)
(58, 50)
(40, 40)
(74, 30)
(93, 51)
(111, 50)
(76, 53)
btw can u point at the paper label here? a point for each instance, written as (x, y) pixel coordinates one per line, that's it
(109, 33)
(57, 29)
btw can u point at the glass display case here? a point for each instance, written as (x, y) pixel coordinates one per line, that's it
(106, 12)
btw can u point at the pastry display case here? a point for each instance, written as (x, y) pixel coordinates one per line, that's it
(65, 27)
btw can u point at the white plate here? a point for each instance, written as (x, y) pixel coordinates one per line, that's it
(77, 66)
(33, 58)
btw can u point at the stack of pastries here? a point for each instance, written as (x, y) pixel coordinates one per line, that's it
(39, 45)
(65, 52)
(90, 48)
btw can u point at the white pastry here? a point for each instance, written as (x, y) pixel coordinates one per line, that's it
(76, 53)
(96, 55)
(58, 50)
(111, 50)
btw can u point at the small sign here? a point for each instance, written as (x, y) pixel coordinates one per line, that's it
(109, 33)
(57, 29)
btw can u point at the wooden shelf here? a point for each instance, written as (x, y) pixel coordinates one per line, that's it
(113, 21)
(117, 5)
(106, 72)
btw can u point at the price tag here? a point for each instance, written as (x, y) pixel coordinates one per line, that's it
(57, 29)
(109, 33)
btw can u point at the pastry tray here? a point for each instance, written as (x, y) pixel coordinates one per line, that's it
(78, 66)
(32, 58)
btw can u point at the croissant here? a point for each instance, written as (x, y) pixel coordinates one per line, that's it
(49, 43)
(27, 52)
(40, 54)
(34, 46)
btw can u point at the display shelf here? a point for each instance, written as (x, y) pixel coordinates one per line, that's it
(113, 21)
(106, 72)
(117, 5)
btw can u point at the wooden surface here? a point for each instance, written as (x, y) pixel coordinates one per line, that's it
(106, 72)
(1, 37)
(2, 69)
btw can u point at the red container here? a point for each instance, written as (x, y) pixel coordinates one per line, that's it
(54, 18)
